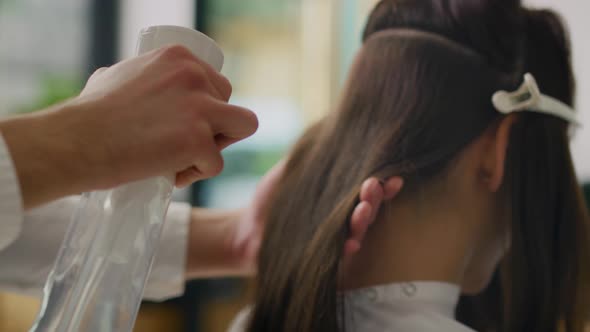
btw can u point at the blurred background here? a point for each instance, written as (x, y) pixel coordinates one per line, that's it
(286, 59)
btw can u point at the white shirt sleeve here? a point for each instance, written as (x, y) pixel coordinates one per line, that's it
(27, 261)
(11, 206)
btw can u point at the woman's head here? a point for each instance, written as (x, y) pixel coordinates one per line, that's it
(418, 104)
(449, 144)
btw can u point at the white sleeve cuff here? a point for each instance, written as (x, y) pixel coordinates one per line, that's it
(167, 278)
(11, 205)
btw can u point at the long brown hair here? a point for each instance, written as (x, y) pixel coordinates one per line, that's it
(418, 95)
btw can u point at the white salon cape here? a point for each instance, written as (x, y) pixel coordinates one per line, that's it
(29, 242)
(405, 307)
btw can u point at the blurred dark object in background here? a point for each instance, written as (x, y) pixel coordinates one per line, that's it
(586, 189)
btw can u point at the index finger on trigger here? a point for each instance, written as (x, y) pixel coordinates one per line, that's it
(233, 122)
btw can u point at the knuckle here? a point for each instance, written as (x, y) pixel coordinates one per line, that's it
(196, 75)
(175, 52)
(100, 70)
(97, 73)
(208, 157)
(214, 165)
(191, 74)
(226, 87)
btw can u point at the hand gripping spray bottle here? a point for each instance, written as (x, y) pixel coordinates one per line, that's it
(98, 279)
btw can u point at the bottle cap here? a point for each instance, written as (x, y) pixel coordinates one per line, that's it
(199, 44)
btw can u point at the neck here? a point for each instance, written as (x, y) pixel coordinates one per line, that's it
(413, 243)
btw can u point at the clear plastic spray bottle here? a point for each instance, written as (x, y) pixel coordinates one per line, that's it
(97, 282)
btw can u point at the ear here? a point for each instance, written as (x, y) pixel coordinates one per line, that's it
(495, 161)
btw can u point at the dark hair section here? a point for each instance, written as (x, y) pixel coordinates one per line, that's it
(418, 94)
(542, 282)
(486, 26)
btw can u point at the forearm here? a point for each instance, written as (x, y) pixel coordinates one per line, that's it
(211, 252)
(44, 157)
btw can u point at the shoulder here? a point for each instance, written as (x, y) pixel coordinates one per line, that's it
(401, 319)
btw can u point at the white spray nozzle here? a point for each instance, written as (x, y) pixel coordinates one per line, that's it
(198, 43)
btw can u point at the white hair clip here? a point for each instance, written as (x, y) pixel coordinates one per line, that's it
(529, 98)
